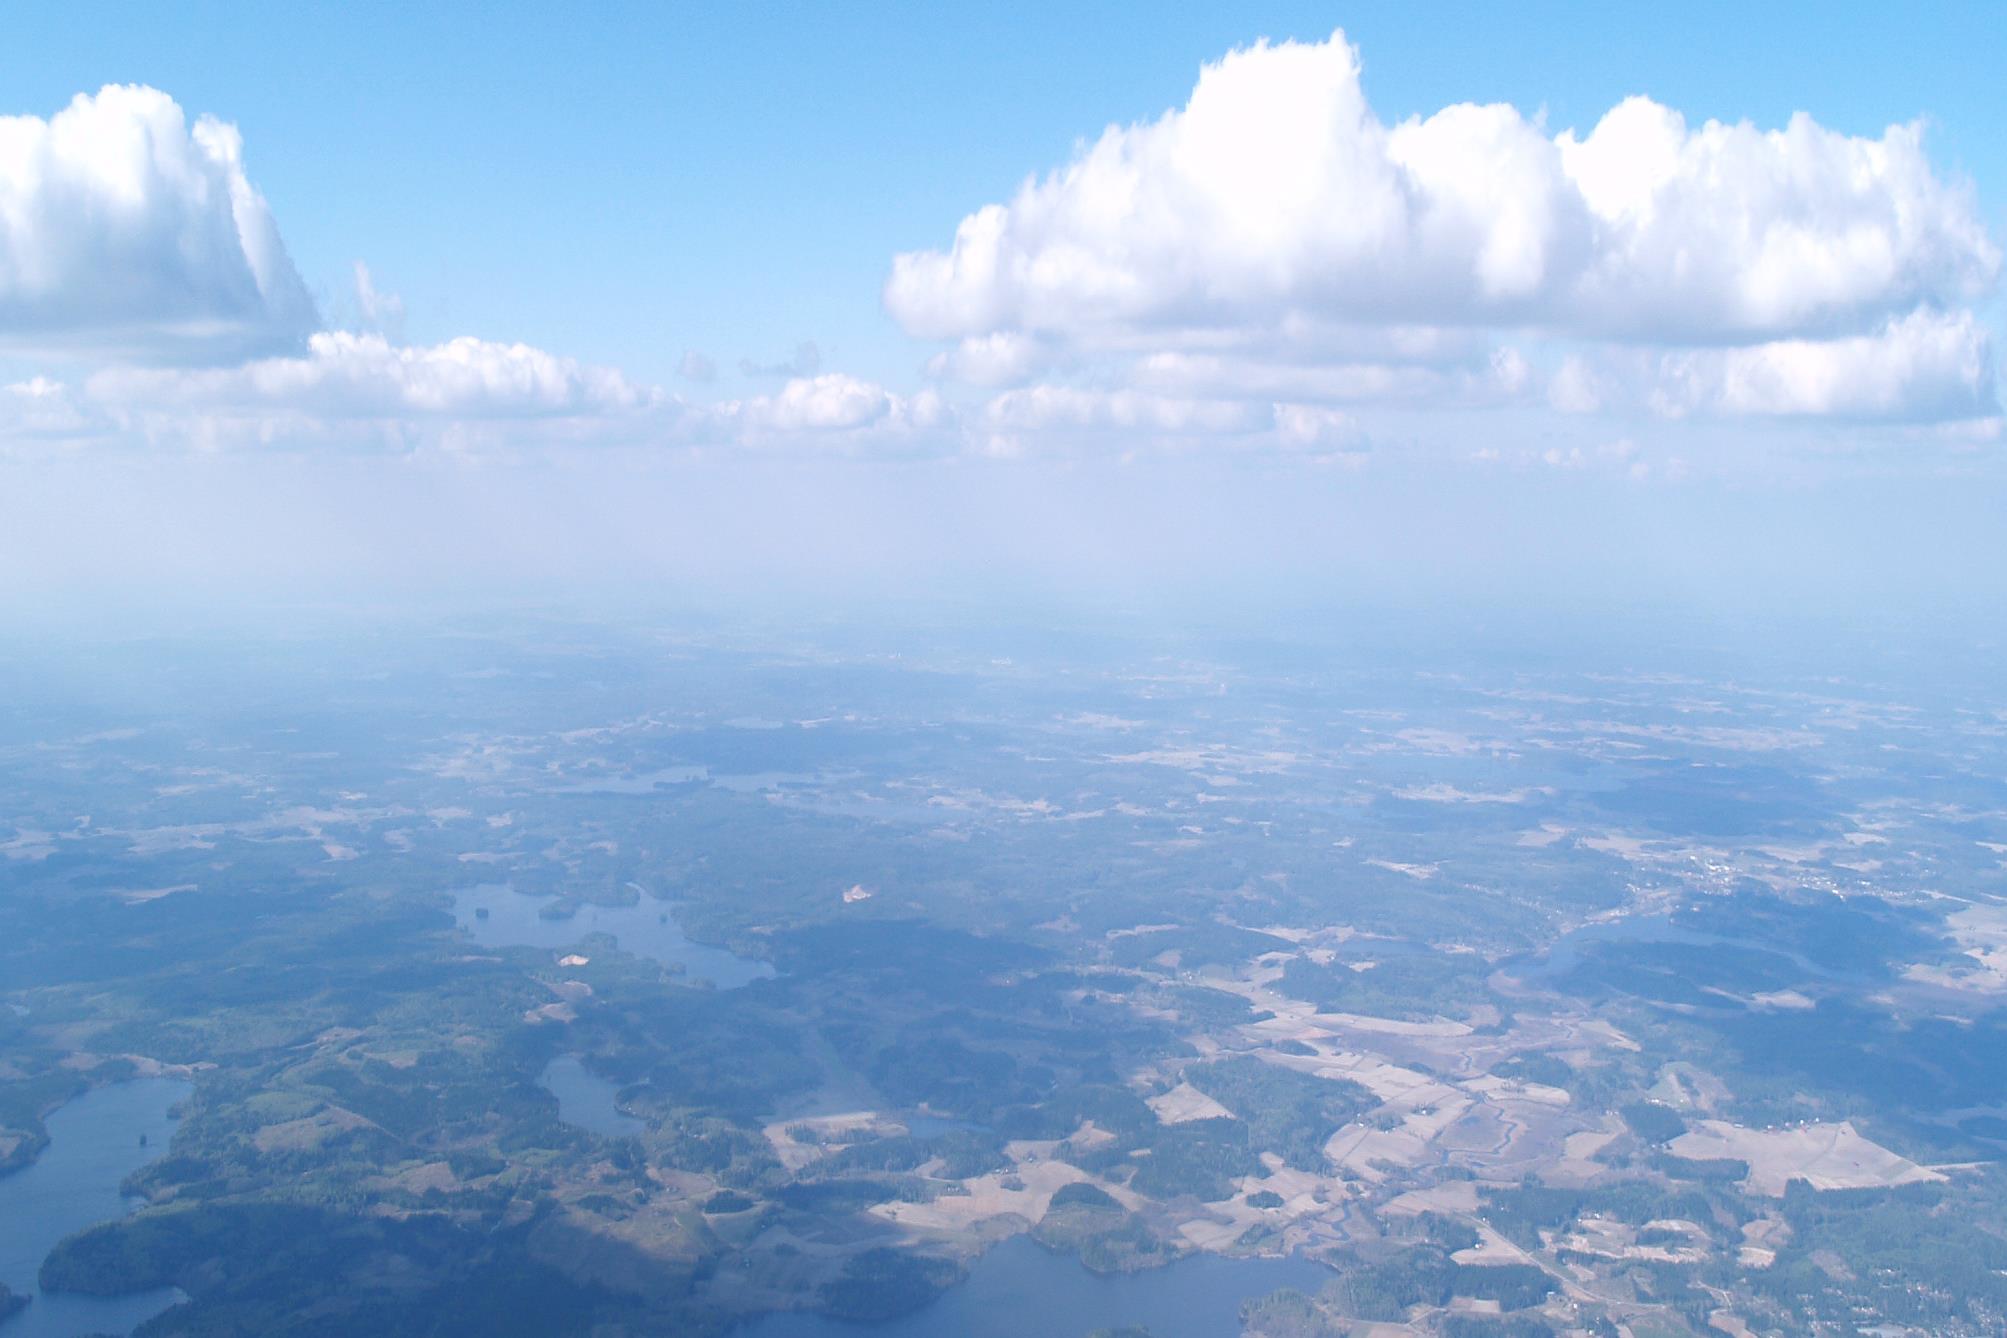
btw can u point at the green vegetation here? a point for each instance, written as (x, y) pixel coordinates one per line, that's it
(1080, 1194)
(1653, 1122)
(1449, 1232)
(1903, 1253)
(837, 1196)
(23, 1103)
(1539, 1068)
(1289, 1113)
(251, 1267)
(1513, 1286)
(1214, 1008)
(1721, 1171)
(1086, 1221)
(1201, 1159)
(1402, 985)
(1288, 1314)
(1385, 1290)
(884, 1284)
(1521, 1214)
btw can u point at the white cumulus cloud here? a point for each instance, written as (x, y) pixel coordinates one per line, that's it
(364, 389)
(823, 403)
(1274, 241)
(1277, 190)
(835, 410)
(365, 376)
(1924, 366)
(124, 229)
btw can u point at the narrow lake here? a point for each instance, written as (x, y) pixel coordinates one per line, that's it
(94, 1144)
(1565, 955)
(1021, 1288)
(497, 916)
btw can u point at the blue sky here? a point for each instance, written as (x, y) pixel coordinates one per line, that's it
(616, 188)
(623, 182)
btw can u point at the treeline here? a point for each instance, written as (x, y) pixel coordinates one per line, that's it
(1403, 985)
(1386, 1290)
(1522, 1212)
(884, 1283)
(1286, 1112)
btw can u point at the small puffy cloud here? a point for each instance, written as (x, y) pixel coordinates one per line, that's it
(830, 402)
(835, 411)
(1927, 366)
(127, 231)
(697, 367)
(1276, 191)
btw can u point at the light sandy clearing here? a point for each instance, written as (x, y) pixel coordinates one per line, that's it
(1454, 1196)
(140, 896)
(1392, 1026)
(987, 1197)
(309, 1132)
(1421, 873)
(1981, 932)
(1491, 1248)
(801, 1141)
(1828, 1156)
(1185, 1103)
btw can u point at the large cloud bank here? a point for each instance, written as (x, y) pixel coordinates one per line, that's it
(124, 228)
(1276, 191)
(1275, 222)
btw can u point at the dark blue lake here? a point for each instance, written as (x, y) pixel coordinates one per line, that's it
(646, 929)
(586, 1100)
(94, 1144)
